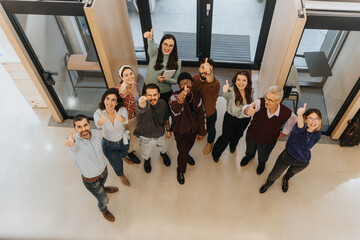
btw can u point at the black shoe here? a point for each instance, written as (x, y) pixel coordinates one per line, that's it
(166, 159)
(245, 160)
(147, 166)
(191, 161)
(285, 185)
(260, 169)
(216, 159)
(180, 177)
(265, 186)
(133, 157)
(232, 149)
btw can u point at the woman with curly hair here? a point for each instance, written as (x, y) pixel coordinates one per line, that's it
(111, 117)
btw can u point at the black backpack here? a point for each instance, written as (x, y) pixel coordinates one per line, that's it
(351, 135)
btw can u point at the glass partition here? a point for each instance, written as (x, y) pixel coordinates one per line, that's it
(235, 29)
(63, 48)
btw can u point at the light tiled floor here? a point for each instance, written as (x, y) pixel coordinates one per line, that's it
(42, 196)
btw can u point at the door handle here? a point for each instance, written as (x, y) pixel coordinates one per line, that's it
(48, 77)
(208, 8)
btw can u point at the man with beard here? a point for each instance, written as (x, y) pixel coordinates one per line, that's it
(152, 117)
(85, 148)
(207, 86)
(188, 122)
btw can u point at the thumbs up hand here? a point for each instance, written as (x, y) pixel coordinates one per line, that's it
(250, 111)
(102, 119)
(186, 89)
(207, 67)
(226, 87)
(149, 35)
(70, 140)
(122, 89)
(301, 110)
(118, 117)
(142, 101)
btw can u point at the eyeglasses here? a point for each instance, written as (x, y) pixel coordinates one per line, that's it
(185, 83)
(313, 119)
(168, 45)
(270, 100)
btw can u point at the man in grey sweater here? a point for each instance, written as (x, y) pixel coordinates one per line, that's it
(152, 117)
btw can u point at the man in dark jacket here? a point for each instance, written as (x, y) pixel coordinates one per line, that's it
(188, 121)
(152, 117)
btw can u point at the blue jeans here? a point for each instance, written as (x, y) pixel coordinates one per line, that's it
(97, 189)
(114, 152)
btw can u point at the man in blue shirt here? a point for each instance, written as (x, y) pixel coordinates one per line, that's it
(85, 148)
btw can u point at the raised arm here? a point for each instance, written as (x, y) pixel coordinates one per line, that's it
(300, 116)
(152, 49)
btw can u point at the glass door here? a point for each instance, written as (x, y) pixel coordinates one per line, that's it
(58, 40)
(236, 30)
(232, 32)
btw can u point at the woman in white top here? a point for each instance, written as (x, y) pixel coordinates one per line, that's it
(111, 118)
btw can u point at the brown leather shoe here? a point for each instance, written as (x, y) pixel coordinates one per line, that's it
(108, 216)
(124, 180)
(127, 160)
(111, 189)
(208, 148)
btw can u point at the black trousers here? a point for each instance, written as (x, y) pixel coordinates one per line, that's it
(263, 150)
(210, 127)
(232, 130)
(184, 143)
(284, 161)
(166, 96)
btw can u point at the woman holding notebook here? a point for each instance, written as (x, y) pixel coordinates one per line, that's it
(164, 64)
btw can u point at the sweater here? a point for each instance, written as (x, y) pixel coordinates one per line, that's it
(184, 120)
(209, 93)
(151, 120)
(300, 142)
(265, 130)
(151, 73)
(231, 107)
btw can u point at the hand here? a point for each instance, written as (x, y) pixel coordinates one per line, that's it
(161, 78)
(123, 87)
(119, 118)
(250, 111)
(70, 140)
(102, 119)
(199, 138)
(207, 67)
(226, 87)
(149, 35)
(186, 90)
(168, 135)
(281, 135)
(301, 110)
(142, 101)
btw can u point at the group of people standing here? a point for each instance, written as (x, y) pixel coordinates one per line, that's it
(128, 117)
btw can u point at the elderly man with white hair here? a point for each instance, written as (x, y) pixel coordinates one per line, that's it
(269, 115)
